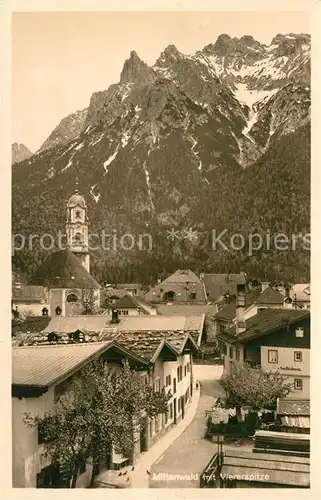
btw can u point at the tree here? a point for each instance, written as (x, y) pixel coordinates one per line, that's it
(97, 412)
(88, 301)
(246, 386)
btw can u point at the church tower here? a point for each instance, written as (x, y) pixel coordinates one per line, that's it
(77, 228)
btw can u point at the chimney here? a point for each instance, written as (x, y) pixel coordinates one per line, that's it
(114, 317)
(240, 309)
(265, 285)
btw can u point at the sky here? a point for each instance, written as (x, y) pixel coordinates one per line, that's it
(60, 58)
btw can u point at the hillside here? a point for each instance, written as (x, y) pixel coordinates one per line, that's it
(207, 142)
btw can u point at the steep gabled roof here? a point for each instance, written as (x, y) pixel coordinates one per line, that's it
(219, 284)
(148, 344)
(186, 286)
(263, 323)
(228, 313)
(130, 302)
(63, 270)
(270, 296)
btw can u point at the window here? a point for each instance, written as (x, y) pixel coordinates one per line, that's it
(297, 355)
(179, 373)
(193, 295)
(222, 328)
(231, 352)
(157, 385)
(78, 214)
(237, 354)
(179, 405)
(273, 356)
(174, 383)
(185, 371)
(188, 367)
(224, 349)
(124, 313)
(299, 332)
(166, 416)
(170, 411)
(168, 380)
(298, 384)
(72, 297)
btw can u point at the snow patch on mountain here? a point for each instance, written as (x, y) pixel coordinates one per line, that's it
(92, 143)
(200, 164)
(95, 196)
(248, 96)
(148, 183)
(125, 138)
(110, 160)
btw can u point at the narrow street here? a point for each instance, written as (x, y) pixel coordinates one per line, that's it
(190, 453)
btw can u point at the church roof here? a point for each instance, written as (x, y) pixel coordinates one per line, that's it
(76, 200)
(63, 270)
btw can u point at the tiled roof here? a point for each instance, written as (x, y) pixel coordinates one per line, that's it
(161, 323)
(219, 284)
(28, 292)
(263, 323)
(147, 343)
(270, 296)
(229, 312)
(44, 365)
(68, 324)
(130, 302)
(183, 283)
(186, 309)
(32, 324)
(63, 270)
(293, 407)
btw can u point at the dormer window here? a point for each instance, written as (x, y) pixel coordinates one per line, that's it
(78, 214)
(299, 332)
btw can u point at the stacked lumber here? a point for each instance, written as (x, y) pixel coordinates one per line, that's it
(282, 441)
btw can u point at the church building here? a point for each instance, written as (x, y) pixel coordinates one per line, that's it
(71, 288)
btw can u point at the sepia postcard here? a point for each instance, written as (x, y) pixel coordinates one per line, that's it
(161, 279)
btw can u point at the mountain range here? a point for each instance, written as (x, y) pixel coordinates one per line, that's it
(19, 152)
(215, 140)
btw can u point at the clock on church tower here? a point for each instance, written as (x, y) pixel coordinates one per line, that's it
(77, 228)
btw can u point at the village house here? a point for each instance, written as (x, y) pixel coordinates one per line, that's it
(28, 300)
(95, 325)
(301, 296)
(43, 364)
(110, 293)
(257, 299)
(218, 286)
(273, 340)
(183, 287)
(130, 305)
(209, 310)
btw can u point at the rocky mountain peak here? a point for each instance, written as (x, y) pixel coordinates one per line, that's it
(20, 152)
(135, 70)
(249, 41)
(225, 44)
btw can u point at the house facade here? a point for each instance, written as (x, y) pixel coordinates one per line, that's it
(167, 363)
(130, 305)
(182, 287)
(274, 341)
